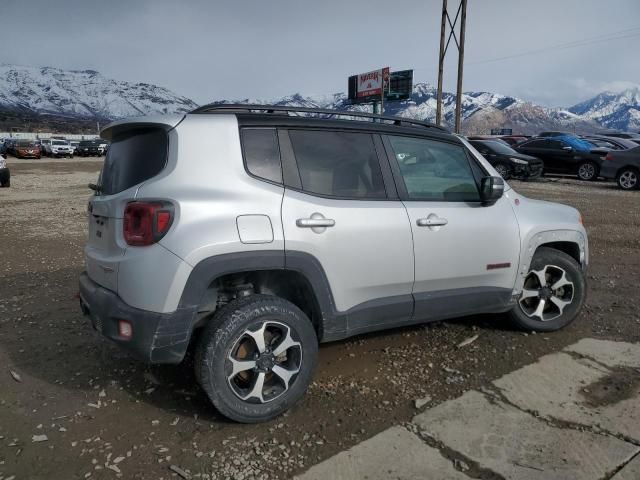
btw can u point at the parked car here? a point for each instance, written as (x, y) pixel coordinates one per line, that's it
(45, 146)
(612, 143)
(556, 134)
(624, 167)
(487, 137)
(10, 145)
(103, 146)
(514, 139)
(59, 148)
(88, 148)
(74, 145)
(634, 137)
(507, 162)
(5, 174)
(26, 149)
(294, 230)
(570, 155)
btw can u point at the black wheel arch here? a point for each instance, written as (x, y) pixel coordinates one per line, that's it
(294, 276)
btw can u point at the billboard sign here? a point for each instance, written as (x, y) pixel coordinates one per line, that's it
(501, 131)
(400, 85)
(369, 86)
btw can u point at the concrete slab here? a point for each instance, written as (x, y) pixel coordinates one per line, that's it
(577, 390)
(631, 470)
(581, 391)
(519, 446)
(395, 454)
(613, 354)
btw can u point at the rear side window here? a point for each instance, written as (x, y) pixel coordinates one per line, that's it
(261, 153)
(134, 156)
(338, 164)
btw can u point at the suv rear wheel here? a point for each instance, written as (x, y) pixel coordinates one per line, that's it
(256, 357)
(553, 293)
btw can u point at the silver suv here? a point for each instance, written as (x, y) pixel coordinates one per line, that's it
(254, 234)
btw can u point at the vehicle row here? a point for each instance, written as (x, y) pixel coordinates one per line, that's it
(54, 147)
(588, 157)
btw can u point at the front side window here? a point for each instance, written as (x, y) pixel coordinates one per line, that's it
(434, 170)
(338, 164)
(261, 153)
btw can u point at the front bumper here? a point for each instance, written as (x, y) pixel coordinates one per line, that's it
(23, 154)
(157, 337)
(527, 171)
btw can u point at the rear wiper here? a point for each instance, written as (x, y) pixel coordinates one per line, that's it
(95, 187)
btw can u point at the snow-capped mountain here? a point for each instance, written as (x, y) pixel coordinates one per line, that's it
(481, 111)
(620, 111)
(88, 95)
(83, 94)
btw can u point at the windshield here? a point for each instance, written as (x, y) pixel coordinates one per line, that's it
(25, 143)
(58, 142)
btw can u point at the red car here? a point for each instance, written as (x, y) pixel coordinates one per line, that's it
(26, 149)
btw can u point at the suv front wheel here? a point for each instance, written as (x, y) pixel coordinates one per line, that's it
(256, 357)
(553, 293)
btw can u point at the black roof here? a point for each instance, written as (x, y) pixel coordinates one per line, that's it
(322, 115)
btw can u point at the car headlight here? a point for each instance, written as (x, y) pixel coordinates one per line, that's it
(519, 161)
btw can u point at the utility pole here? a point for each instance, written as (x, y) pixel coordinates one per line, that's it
(461, 14)
(463, 21)
(443, 26)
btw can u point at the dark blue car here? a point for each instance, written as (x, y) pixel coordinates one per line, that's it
(566, 154)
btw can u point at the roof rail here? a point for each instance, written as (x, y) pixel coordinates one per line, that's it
(255, 108)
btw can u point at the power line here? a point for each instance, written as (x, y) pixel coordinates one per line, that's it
(567, 45)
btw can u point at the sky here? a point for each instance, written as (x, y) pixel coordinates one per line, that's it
(213, 49)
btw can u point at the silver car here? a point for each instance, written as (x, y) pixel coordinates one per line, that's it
(255, 235)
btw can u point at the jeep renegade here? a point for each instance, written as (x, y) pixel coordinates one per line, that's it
(255, 234)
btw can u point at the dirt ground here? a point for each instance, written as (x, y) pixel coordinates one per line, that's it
(74, 406)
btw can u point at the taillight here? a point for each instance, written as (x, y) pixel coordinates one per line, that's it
(145, 223)
(609, 157)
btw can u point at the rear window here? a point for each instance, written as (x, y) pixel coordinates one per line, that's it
(133, 157)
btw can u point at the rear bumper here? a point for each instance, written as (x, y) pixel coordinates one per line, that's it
(607, 170)
(157, 337)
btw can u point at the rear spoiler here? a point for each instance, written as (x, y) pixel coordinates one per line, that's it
(167, 122)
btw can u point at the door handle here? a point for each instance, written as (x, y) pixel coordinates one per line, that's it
(432, 221)
(315, 222)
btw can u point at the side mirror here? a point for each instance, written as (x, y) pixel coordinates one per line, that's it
(491, 190)
(567, 149)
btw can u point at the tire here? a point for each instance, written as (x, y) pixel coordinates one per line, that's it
(504, 170)
(588, 171)
(628, 178)
(232, 332)
(552, 263)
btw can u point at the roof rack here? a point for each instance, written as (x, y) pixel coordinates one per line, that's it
(255, 108)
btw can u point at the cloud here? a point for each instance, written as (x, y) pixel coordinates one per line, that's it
(210, 50)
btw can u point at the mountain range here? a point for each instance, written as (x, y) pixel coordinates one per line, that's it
(88, 95)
